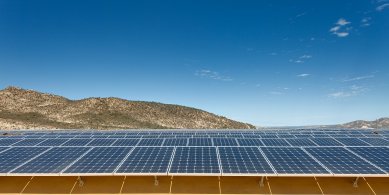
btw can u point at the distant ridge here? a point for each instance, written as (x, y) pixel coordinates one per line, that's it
(28, 109)
(361, 124)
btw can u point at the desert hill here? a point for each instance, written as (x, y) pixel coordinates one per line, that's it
(28, 109)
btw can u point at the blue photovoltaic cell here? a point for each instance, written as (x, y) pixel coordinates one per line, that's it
(375, 141)
(52, 161)
(200, 142)
(53, 142)
(376, 155)
(126, 142)
(175, 142)
(224, 142)
(77, 142)
(195, 160)
(250, 142)
(147, 160)
(340, 161)
(243, 160)
(29, 142)
(100, 160)
(150, 142)
(101, 142)
(352, 142)
(274, 142)
(12, 158)
(8, 142)
(326, 142)
(300, 142)
(292, 161)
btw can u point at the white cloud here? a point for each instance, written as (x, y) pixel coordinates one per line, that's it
(341, 28)
(353, 90)
(340, 94)
(365, 22)
(304, 75)
(358, 78)
(335, 28)
(342, 34)
(342, 22)
(212, 75)
(382, 7)
(305, 56)
(300, 59)
(276, 93)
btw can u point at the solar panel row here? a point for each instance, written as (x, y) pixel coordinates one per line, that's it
(229, 160)
(196, 142)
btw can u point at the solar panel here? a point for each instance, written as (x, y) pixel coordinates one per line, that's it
(376, 155)
(101, 142)
(3, 148)
(175, 142)
(224, 142)
(286, 136)
(12, 158)
(151, 160)
(292, 161)
(53, 142)
(300, 142)
(77, 142)
(99, 160)
(126, 142)
(52, 161)
(250, 142)
(150, 142)
(340, 161)
(272, 136)
(274, 142)
(326, 142)
(200, 142)
(375, 141)
(243, 160)
(352, 142)
(8, 142)
(29, 142)
(195, 160)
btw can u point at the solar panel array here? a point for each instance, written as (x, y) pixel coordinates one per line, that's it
(295, 152)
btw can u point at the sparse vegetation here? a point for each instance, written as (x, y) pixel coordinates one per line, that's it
(28, 109)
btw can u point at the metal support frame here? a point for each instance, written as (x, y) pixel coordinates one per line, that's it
(80, 181)
(261, 181)
(355, 183)
(156, 182)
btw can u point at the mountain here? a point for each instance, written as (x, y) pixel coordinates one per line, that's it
(28, 109)
(361, 124)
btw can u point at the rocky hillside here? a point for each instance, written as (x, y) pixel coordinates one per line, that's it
(361, 124)
(27, 109)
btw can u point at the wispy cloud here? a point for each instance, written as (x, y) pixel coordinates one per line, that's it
(341, 28)
(365, 22)
(276, 93)
(296, 61)
(301, 59)
(303, 75)
(305, 56)
(382, 7)
(353, 90)
(358, 78)
(212, 75)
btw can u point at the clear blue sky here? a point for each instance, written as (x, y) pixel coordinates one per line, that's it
(263, 62)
